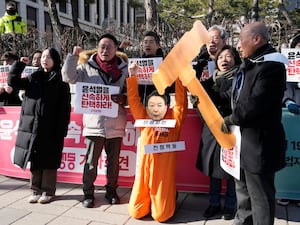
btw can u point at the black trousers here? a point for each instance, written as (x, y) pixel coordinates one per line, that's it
(255, 199)
(43, 181)
(94, 147)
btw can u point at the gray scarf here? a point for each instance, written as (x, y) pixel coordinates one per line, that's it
(225, 74)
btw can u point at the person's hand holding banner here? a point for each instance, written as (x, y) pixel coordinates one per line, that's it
(119, 98)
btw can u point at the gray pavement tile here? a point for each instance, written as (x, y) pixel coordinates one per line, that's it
(10, 215)
(35, 219)
(66, 200)
(3, 178)
(97, 223)
(218, 222)
(195, 201)
(293, 213)
(186, 216)
(51, 209)
(13, 196)
(64, 220)
(144, 221)
(281, 212)
(67, 208)
(8, 185)
(291, 223)
(96, 215)
(118, 209)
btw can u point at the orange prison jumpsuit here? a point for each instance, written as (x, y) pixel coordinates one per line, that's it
(154, 188)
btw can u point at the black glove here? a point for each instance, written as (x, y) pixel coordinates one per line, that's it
(119, 99)
(227, 122)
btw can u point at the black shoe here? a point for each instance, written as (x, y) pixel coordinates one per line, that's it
(212, 211)
(228, 213)
(88, 202)
(112, 197)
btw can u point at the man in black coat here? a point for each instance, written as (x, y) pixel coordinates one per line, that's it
(256, 100)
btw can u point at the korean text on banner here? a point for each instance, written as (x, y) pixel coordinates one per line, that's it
(96, 99)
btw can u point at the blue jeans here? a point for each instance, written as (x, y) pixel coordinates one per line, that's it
(215, 189)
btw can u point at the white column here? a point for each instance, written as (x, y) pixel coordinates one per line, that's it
(111, 9)
(81, 9)
(40, 16)
(125, 9)
(22, 11)
(69, 8)
(118, 13)
(93, 13)
(131, 20)
(101, 16)
(2, 8)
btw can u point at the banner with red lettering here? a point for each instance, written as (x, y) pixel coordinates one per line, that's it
(188, 178)
(230, 158)
(4, 73)
(96, 99)
(293, 70)
(146, 67)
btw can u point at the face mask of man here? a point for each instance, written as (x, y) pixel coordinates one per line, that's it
(11, 12)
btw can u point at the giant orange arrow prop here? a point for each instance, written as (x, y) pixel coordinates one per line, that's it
(178, 64)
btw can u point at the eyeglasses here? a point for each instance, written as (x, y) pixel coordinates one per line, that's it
(106, 47)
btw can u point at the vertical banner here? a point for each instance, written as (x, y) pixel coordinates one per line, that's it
(293, 70)
(230, 158)
(287, 180)
(3, 76)
(95, 99)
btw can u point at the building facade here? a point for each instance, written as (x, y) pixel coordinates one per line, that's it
(101, 14)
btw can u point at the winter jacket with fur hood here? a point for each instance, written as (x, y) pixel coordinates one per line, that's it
(75, 70)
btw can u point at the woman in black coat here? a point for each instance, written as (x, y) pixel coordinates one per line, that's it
(44, 120)
(218, 87)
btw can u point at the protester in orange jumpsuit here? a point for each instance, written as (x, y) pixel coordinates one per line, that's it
(154, 188)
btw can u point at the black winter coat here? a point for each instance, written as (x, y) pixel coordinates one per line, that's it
(208, 159)
(258, 112)
(44, 118)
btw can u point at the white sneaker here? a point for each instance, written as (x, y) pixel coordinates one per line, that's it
(45, 198)
(34, 198)
(283, 202)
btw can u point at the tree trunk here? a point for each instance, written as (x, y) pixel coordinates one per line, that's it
(56, 25)
(284, 12)
(210, 13)
(151, 14)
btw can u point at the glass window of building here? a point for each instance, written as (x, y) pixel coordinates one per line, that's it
(48, 26)
(31, 17)
(87, 11)
(63, 6)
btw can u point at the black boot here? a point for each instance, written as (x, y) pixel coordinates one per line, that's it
(112, 196)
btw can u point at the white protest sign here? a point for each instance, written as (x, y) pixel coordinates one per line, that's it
(4, 70)
(165, 147)
(170, 123)
(230, 158)
(95, 99)
(146, 67)
(3, 75)
(293, 70)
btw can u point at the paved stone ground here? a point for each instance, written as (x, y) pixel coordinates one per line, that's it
(66, 209)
